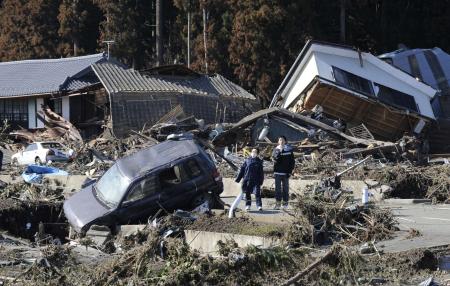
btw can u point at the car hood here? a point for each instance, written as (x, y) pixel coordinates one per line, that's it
(83, 207)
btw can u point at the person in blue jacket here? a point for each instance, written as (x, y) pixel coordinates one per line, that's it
(284, 163)
(253, 177)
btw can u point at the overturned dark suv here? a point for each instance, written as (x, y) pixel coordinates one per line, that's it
(170, 175)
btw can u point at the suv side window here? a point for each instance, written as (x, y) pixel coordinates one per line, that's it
(193, 170)
(143, 188)
(31, 147)
(172, 176)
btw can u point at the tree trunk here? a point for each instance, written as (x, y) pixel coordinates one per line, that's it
(159, 33)
(342, 22)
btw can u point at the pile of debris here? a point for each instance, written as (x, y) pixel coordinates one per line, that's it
(411, 182)
(314, 139)
(56, 127)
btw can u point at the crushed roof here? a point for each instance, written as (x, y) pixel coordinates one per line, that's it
(118, 79)
(31, 77)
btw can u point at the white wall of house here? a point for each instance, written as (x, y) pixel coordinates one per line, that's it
(320, 59)
(66, 107)
(39, 103)
(302, 77)
(32, 113)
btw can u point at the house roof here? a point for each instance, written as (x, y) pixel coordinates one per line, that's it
(32, 77)
(432, 66)
(118, 79)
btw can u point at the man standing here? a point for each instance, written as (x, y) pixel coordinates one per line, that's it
(284, 163)
(253, 174)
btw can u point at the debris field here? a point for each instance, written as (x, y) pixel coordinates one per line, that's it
(329, 237)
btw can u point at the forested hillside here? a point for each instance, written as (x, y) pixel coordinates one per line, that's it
(252, 42)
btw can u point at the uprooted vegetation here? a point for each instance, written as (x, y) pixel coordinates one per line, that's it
(157, 261)
(321, 221)
(418, 182)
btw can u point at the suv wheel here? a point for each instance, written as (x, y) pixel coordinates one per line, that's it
(38, 161)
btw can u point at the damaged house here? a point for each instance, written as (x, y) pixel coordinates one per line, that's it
(140, 99)
(88, 90)
(357, 88)
(431, 66)
(68, 86)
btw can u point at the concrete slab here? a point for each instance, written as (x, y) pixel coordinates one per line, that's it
(266, 216)
(433, 221)
(231, 188)
(206, 241)
(130, 229)
(406, 201)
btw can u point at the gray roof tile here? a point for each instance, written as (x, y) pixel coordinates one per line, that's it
(117, 79)
(46, 76)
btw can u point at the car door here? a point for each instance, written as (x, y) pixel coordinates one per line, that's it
(194, 181)
(175, 187)
(141, 201)
(198, 177)
(28, 154)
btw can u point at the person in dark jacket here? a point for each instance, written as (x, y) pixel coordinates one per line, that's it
(253, 177)
(1, 159)
(283, 157)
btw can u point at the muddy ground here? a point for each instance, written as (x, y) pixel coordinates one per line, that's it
(28, 257)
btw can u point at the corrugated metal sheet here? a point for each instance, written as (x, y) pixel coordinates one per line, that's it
(117, 79)
(45, 76)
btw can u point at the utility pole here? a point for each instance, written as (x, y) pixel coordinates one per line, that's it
(189, 35)
(342, 21)
(204, 40)
(159, 52)
(108, 43)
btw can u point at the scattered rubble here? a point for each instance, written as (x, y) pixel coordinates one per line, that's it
(331, 236)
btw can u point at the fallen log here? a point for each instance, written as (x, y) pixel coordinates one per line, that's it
(309, 268)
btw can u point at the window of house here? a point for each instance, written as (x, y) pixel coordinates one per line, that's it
(15, 111)
(57, 106)
(395, 97)
(144, 188)
(352, 81)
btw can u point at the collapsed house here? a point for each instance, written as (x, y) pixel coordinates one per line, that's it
(357, 88)
(140, 99)
(89, 90)
(431, 66)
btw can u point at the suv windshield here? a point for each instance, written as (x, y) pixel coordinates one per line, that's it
(112, 186)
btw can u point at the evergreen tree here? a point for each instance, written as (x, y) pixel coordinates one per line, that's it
(78, 27)
(130, 24)
(29, 29)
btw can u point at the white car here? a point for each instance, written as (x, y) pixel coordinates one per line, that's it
(41, 153)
